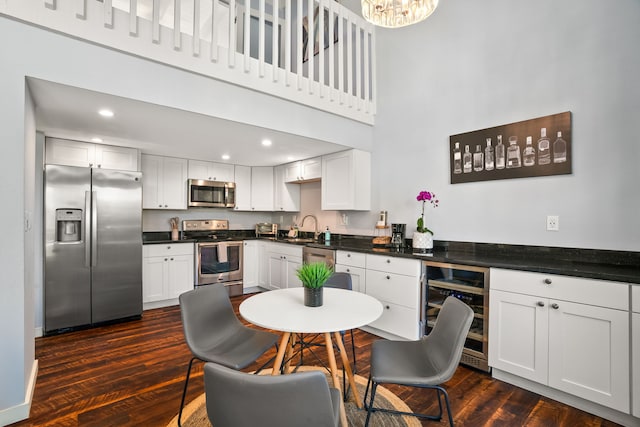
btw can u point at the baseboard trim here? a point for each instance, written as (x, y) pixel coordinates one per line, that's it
(21, 412)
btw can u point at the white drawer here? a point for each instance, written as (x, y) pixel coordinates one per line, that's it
(395, 288)
(635, 298)
(167, 249)
(285, 249)
(398, 320)
(354, 259)
(408, 267)
(575, 289)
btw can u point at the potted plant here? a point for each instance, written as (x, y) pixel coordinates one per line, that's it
(313, 277)
(423, 237)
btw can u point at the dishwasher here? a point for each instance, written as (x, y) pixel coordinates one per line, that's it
(311, 254)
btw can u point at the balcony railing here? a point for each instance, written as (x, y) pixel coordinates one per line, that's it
(270, 49)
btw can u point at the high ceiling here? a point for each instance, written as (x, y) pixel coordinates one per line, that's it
(72, 113)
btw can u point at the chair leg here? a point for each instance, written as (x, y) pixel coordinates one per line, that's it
(369, 407)
(184, 391)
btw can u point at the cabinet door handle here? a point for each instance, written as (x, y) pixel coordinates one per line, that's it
(387, 307)
(166, 206)
(540, 304)
(388, 261)
(555, 306)
(348, 255)
(388, 277)
(348, 270)
(168, 247)
(166, 259)
(547, 281)
(171, 259)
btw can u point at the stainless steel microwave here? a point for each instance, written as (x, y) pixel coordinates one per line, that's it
(211, 194)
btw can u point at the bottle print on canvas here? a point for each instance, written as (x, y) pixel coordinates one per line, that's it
(559, 149)
(529, 154)
(500, 154)
(457, 159)
(478, 159)
(488, 156)
(466, 160)
(514, 159)
(544, 148)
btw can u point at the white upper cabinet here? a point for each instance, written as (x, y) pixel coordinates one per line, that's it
(164, 182)
(286, 195)
(83, 154)
(304, 171)
(242, 178)
(346, 181)
(211, 171)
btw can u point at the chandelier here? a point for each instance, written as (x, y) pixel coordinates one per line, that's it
(397, 13)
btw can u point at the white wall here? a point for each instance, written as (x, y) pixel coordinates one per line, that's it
(474, 65)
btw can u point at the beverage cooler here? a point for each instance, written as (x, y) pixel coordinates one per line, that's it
(471, 285)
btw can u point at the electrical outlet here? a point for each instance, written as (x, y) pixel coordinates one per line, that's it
(345, 219)
(553, 223)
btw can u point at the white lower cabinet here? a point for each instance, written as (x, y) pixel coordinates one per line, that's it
(167, 272)
(250, 264)
(281, 262)
(635, 348)
(568, 333)
(395, 282)
(355, 264)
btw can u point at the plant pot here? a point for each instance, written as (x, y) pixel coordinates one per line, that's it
(422, 241)
(313, 297)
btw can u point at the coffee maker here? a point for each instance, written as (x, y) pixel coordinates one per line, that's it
(397, 235)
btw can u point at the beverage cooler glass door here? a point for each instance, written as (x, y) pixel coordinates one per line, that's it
(219, 262)
(470, 285)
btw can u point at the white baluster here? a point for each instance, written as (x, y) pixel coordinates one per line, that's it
(287, 43)
(232, 33)
(133, 17)
(215, 10)
(155, 24)
(108, 14)
(311, 46)
(367, 36)
(341, 63)
(247, 35)
(196, 27)
(350, 62)
(299, 45)
(332, 31)
(82, 9)
(177, 23)
(275, 47)
(358, 67)
(261, 38)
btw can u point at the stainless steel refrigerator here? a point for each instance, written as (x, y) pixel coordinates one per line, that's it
(93, 246)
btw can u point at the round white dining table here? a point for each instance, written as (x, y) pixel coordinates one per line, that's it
(284, 310)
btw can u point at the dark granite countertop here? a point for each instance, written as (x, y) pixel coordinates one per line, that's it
(620, 266)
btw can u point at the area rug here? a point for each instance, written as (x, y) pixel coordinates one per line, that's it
(195, 413)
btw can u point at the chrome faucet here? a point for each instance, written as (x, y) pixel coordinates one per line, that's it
(316, 233)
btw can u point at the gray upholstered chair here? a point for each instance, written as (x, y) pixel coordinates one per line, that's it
(425, 363)
(238, 399)
(214, 333)
(343, 281)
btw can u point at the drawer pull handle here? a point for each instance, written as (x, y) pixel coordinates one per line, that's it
(348, 271)
(387, 307)
(540, 304)
(171, 259)
(388, 277)
(348, 255)
(166, 259)
(547, 281)
(555, 306)
(388, 261)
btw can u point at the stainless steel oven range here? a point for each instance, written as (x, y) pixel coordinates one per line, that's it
(218, 257)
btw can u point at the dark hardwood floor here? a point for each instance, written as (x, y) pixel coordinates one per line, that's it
(131, 374)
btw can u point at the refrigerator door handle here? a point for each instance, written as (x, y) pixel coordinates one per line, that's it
(87, 228)
(94, 228)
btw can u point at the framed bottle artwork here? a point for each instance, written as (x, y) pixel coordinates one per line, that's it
(535, 147)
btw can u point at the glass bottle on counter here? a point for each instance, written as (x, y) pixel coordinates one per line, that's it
(559, 149)
(514, 159)
(500, 153)
(488, 156)
(544, 146)
(529, 154)
(478, 159)
(457, 159)
(466, 160)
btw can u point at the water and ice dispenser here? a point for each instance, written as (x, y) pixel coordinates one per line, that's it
(68, 225)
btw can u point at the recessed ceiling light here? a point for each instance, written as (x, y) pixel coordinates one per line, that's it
(96, 139)
(105, 113)
(266, 142)
(225, 157)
